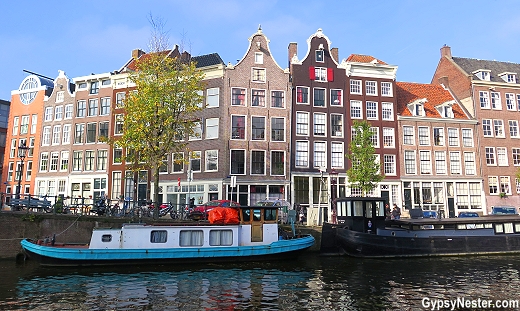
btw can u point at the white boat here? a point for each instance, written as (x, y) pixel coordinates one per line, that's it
(242, 234)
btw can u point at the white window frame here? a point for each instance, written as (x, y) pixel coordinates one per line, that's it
(484, 100)
(387, 111)
(502, 156)
(496, 102)
(372, 112)
(356, 87)
(424, 135)
(498, 128)
(371, 88)
(388, 132)
(440, 163)
(212, 128)
(356, 109)
(510, 102)
(212, 97)
(408, 135)
(386, 89)
(513, 129)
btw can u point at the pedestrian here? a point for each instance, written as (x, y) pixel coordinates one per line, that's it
(388, 212)
(396, 212)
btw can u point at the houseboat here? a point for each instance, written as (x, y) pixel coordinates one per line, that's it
(234, 234)
(364, 231)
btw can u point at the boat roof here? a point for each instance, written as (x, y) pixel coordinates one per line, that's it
(462, 220)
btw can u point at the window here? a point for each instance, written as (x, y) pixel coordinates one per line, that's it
(92, 107)
(498, 126)
(440, 162)
(490, 156)
(16, 121)
(302, 154)
(426, 166)
(212, 126)
(389, 164)
(486, 128)
(355, 86)
(320, 124)
(319, 56)
(48, 114)
(493, 184)
(56, 131)
(387, 111)
(510, 101)
(320, 74)
(502, 156)
(66, 134)
(336, 97)
(277, 129)
(319, 97)
(424, 136)
(258, 98)
(103, 129)
(91, 132)
(238, 162)
(197, 131)
(438, 136)
(258, 74)
(81, 109)
(277, 99)
(64, 165)
(408, 135)
(302, 123)
(105, 106)
(238, 97)
(94, 87)
(496, 103)
(516, 156)
(409, 162)
(44, 162)
(337, 155)
(371, 87)
(195, 161)
(79, 134)
(46, 136)
(375, 136)
(467, 138)
(371, 110)
(58, 114)
(513, 128)
(118, 128)
(60, 96)
(238, 128)
(257, 162)
(469, 163)
(221, 237)
(258, 128)
(118, 155)
(302, 95)
(89, 160)
(320, 154)
(102, 160)
(505, 185)
(336, 125)
(120, 99)
(386, 88)
(34, 122)
(277, 163)
(484, 100)
(455, 163)
(68, 111)
(259, 58)
(191, 238)
(453, 137)
(355, 109)
(211, 160)
(389, 137)
(212, 99)
(54, 162)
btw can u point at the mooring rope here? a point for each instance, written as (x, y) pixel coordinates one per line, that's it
(69, 226)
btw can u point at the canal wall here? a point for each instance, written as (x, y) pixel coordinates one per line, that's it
(15, 226)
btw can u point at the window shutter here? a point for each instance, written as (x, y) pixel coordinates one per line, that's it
(312, 73)
(330, 74)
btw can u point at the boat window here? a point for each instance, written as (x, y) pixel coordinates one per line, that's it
(220, 237)
(470, 226)
(479, 226)
(256, 214)
(368, 207)
(380, 208)
(106, 238)
(349, 210)
(499, 228)
(270, 214)
(191, 238)
(508, 227)
(246, 215)
(463, 226)
(517, 227)
(158, 236)
(489, 226)
(358, 208)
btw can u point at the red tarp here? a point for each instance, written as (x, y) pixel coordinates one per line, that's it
(223, 215)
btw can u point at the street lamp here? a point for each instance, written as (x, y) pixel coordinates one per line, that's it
(22, 153)
(333, 180)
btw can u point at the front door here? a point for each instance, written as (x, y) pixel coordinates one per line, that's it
(257, 234)
(451, 207)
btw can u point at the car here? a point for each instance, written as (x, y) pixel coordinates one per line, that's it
(284, 207)
(504, 210)
(201, 211)
(468, 214)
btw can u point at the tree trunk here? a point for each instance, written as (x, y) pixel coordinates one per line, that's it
(156, 193)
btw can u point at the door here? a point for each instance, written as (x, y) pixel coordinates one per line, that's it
(386, 196)
(257, 234)
(408, 199)
(451, 207)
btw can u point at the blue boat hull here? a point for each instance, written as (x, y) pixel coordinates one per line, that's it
(74, 256)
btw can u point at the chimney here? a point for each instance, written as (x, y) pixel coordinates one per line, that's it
(293, 50)
(446, 51)
(335, 54)
(137, 53)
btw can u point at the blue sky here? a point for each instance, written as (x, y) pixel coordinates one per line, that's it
(84, 37)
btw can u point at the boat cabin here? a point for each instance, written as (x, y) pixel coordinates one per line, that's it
(362, 214)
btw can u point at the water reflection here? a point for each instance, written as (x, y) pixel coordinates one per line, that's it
(311, 283)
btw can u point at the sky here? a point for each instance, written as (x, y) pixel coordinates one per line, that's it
(84, 37)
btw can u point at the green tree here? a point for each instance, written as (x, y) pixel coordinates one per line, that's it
(161, 113)
(365, 170)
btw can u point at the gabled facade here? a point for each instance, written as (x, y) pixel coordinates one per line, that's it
(490, 90)
(440, 170)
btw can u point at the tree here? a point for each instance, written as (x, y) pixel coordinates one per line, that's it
(365, 170)
(160, 113)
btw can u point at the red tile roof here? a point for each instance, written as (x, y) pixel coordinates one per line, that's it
(132, 65)
(408, 92)
(357, 58)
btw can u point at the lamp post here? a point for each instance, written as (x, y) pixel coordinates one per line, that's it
(333, 180)
(22, 153)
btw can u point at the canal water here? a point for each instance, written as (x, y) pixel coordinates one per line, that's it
(308, 283)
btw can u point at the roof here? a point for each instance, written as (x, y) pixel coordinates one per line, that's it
(202, 60)
(358, 58)
(469, 65)
(408, 92)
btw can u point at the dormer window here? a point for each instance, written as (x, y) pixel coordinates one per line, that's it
(417, 108)
(483, 74)
(319, 56)
(446, 110)
(509, 77)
